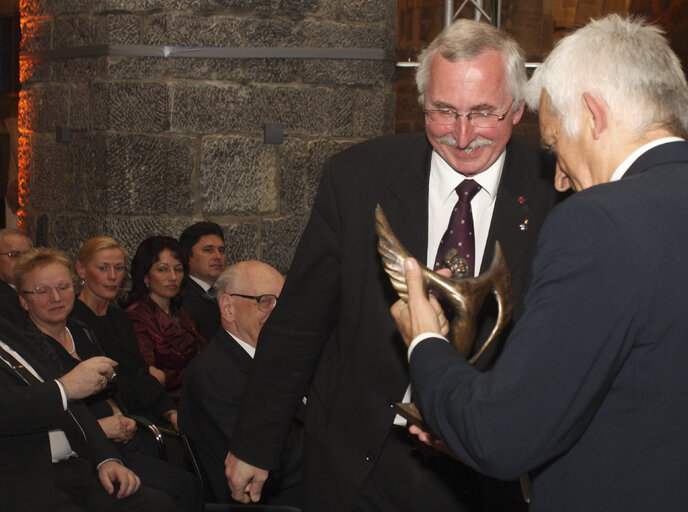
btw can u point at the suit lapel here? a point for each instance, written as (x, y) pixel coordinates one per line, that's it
(406, 203)
(510, 219)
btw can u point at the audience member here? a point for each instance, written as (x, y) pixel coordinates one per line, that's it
(46, 282)
(167, 335)
(53, 454)
(588, 395)
(332, 327)
(204, 243)
(101, 265)
(13, 243)
(215, 380)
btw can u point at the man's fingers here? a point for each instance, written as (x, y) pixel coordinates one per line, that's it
(414, 279)
(255, 489)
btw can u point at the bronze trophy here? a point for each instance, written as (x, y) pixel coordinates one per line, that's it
(465, 295)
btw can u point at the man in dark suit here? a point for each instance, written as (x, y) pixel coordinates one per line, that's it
(214, 381)
(588, 394)
(13, 243)
(204, 243)
(332, 328)
(53, 454)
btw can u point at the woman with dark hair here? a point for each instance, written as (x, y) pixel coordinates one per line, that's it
(167, 335)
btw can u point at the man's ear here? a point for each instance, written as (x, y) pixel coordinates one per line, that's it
(599, 113)
(518, 113)
(226, 307)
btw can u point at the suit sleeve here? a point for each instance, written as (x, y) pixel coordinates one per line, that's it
(291, 341)
(559, 362)
(30, 409)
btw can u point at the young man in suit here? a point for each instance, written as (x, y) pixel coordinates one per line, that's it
(214, 381)
(331, 336)
(204, 243)
(587, 395)
(13, 243)
(53, 454)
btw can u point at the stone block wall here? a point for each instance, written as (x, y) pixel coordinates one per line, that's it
(160, 142)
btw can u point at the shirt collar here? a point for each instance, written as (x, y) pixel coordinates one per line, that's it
(630, 159)
(447, 179)
(200, 283)
(250, 349)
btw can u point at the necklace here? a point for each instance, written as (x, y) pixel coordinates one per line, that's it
(71, 352)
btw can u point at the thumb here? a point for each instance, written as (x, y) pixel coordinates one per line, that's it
(414, 279)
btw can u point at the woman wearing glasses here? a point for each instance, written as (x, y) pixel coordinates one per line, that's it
(168, 337)
(46, 285)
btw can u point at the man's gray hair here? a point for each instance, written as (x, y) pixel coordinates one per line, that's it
(13, 231)
(623, 61)
(466, 39)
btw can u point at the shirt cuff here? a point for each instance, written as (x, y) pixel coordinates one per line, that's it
(422, 337)
(63, 393)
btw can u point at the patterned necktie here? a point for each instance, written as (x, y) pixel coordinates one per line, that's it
(71, 427)
(459, 234)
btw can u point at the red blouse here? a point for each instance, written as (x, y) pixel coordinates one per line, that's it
(165, 343)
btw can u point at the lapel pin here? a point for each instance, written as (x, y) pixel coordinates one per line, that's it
(524, 225)
(521, 200)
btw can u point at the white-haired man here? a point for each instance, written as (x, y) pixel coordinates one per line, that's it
(588, 394)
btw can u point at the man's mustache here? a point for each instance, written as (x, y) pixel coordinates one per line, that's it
(475, 144)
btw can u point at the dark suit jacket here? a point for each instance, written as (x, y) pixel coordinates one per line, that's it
(10, 307)
(27, 413)
(213, 387)
(332, 326)
(589, 393)
(203, 308)
(141, 393)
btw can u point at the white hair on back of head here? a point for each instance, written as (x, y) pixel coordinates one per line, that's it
(623, 61)
(466, 39)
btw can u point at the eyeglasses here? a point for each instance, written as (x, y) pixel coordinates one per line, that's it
(477, 119)
(12, 254)
(43, 291)
(265, 302)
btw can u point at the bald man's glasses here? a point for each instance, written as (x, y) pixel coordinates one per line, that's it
(265, 302)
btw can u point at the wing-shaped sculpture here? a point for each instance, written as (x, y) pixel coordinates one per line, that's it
(464, 295)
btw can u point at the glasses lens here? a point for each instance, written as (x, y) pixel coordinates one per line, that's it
(266, 302)
(64, 287)
(484, 120)
(441, 116)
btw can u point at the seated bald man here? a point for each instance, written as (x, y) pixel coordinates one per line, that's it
(214, 381)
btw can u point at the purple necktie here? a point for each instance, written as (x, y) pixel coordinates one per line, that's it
(459, 234)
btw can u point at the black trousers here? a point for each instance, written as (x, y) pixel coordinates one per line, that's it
(407, 478)
(80, 490)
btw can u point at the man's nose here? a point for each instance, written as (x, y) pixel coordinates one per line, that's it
(464, 133)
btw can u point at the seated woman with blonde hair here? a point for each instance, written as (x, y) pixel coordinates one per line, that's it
(102, 268)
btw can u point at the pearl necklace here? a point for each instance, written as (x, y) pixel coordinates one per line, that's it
(71, 352)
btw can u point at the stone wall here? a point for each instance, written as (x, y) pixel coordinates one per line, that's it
(158, 142)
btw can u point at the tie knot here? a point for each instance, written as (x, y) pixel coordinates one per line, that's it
(467, 189)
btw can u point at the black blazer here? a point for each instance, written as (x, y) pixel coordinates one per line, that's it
(202, 307)
(211, 393)
(589, 392)
(27, 414)
(332, 326)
